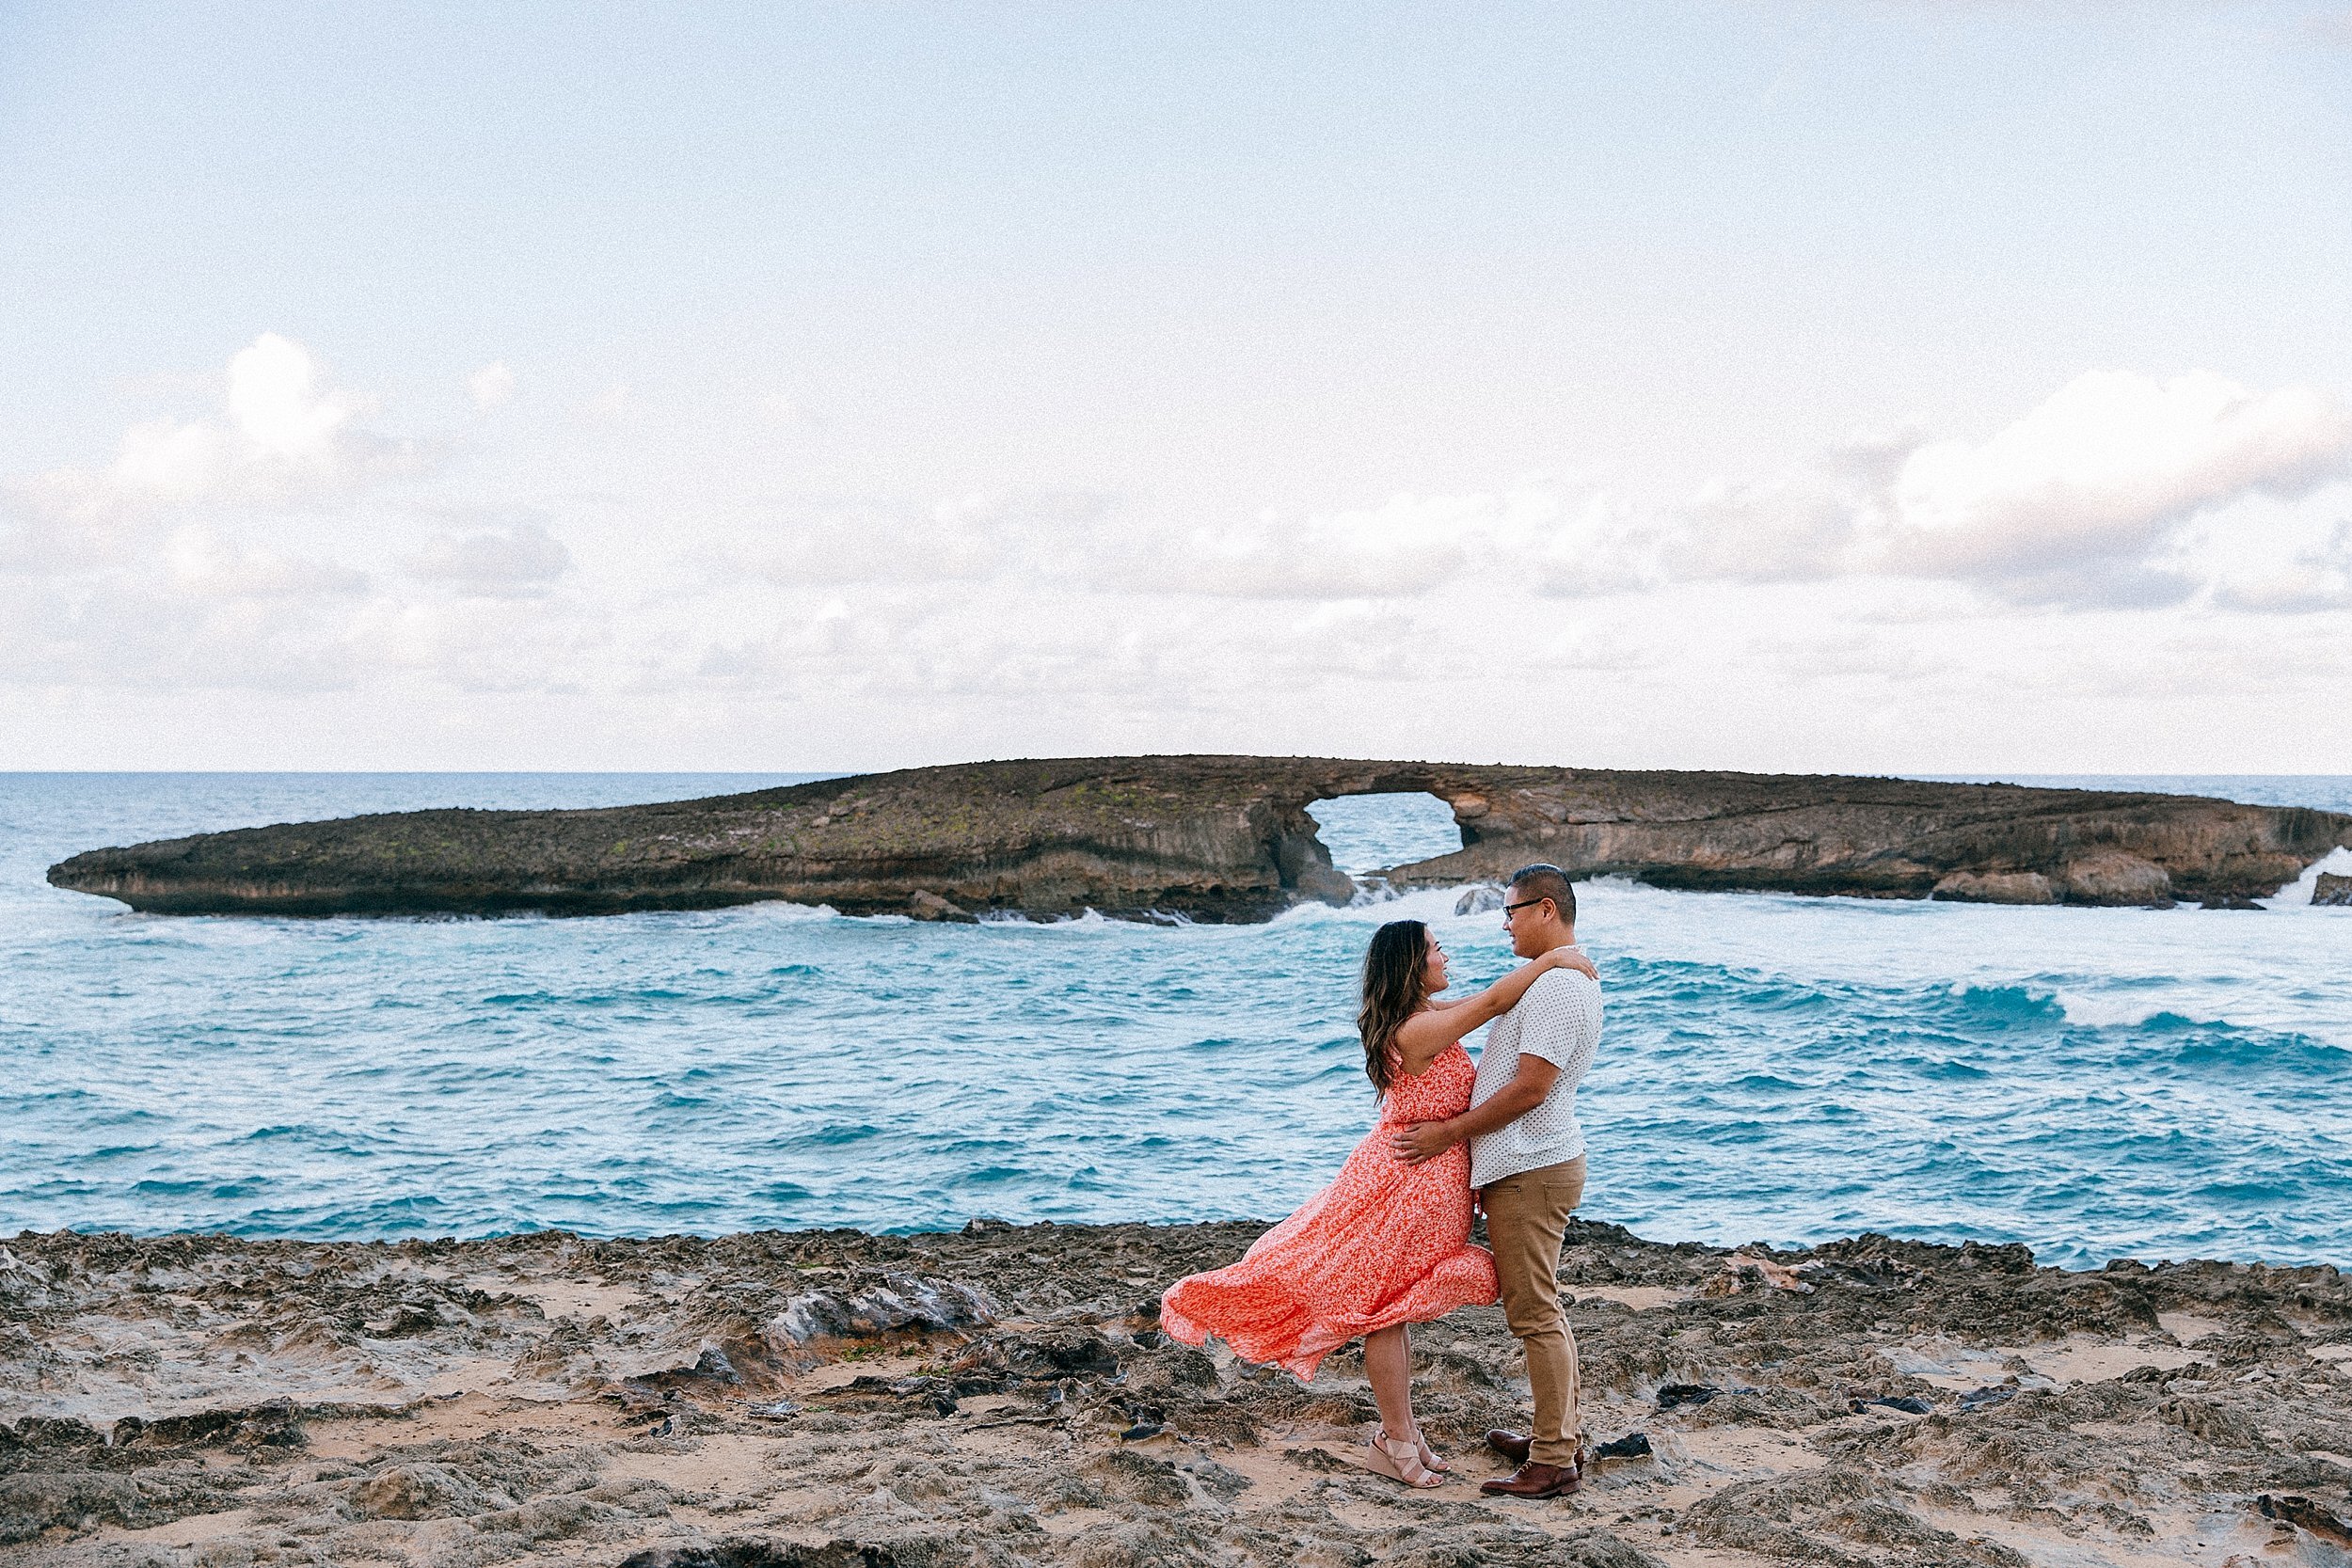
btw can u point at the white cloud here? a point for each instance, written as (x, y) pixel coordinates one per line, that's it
(166, 461)
(1403, 547)
(1561, 540)
(47, 528)
(491, 385)
(274, 399)
(1807, 523)
(1545, 611)
(284, 439)
(482, 645)
(960, 539)
(2097, 477)
(1541, 535)
(2314, 579)
(168, 636)
(2084, 501)
(199, 561)
(1842, 654)
(516, 561)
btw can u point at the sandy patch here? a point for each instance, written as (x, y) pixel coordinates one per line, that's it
(2179, 1540)
(2082, 1359)
(1642, 1298)
(719, 1465)
(2190, 1327)
(181, 1534)
(1953, 1367)
(1077, 1521)
(569, 1298)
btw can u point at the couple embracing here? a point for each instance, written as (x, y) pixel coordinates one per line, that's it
(1388, 1243)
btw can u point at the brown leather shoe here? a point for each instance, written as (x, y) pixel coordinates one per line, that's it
(1513, 1446)
(1531, 1480)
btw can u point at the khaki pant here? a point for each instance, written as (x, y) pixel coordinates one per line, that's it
(1526, 1216)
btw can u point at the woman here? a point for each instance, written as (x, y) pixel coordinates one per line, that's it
(1386, 1243)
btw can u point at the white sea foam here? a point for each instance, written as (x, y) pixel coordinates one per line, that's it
(789, 914)
(2109, 1010)
(1085, 923)
(2297, 894)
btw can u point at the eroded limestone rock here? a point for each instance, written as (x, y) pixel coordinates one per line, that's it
(2117, 877)
(1222, 838)
(2173, 1404)
(1996, 887)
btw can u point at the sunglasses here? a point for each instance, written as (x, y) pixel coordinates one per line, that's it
(1523, 904)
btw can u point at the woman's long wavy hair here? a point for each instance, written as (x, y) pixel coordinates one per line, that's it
(1396, 986)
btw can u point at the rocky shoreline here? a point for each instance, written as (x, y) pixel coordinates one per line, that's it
(999, 1396)
(1225, 838)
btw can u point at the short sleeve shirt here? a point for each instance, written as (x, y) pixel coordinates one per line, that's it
(1559, 1019)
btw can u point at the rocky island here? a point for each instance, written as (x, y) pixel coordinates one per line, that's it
(1224, 838)
(1003, 1396)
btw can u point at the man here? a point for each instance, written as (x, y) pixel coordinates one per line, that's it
(1527, 1165)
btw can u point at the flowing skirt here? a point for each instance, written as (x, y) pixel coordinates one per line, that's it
(1384, 1244)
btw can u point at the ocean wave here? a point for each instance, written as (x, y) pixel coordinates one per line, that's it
(2297, 894)
(2264, 1055)
(2111, 1009)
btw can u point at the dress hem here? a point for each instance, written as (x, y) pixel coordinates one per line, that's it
(1308, 1349)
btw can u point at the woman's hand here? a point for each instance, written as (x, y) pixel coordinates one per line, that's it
(1569, 957)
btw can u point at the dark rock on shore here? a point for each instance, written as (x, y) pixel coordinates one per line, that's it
(1002, 1396)
(1223, 838)
(2331, 890)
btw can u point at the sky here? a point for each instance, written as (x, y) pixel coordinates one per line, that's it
(1879, 388)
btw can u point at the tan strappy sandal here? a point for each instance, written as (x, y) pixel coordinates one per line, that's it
(1429, 1460)
(1400, 1461)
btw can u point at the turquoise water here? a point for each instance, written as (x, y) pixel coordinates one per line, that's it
(2093, 1083)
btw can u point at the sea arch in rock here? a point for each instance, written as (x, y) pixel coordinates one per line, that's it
(1223, 838)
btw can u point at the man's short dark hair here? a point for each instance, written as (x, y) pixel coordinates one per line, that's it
(1542, 880)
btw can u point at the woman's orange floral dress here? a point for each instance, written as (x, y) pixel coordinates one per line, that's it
(1384, 1244)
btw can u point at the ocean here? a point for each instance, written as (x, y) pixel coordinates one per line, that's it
(2093, 1083)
